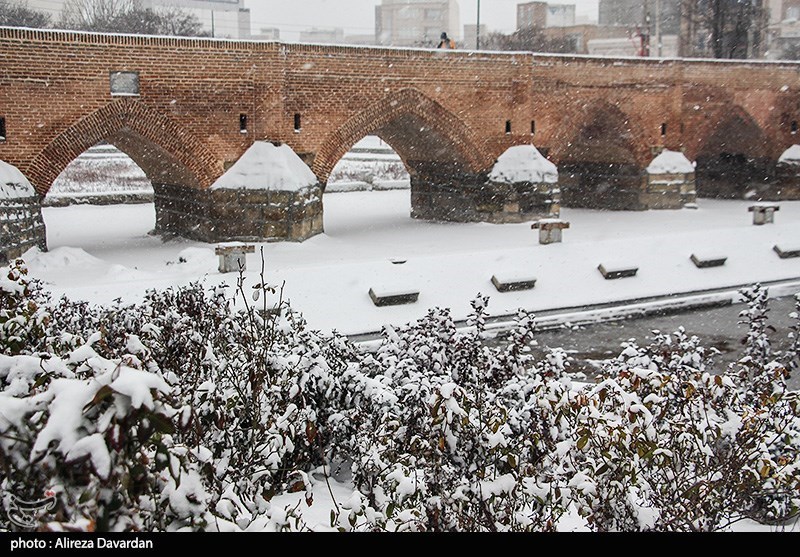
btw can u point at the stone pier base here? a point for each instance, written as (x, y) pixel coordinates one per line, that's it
(617, 187)
(475, 199)
(21, 227)
(238, 215)
(668, 191)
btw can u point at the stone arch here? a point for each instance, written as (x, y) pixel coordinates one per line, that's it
(600, 158)
(425, 135)
(166, 152)
(733, 156)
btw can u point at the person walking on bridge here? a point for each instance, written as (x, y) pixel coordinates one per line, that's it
(446, 42)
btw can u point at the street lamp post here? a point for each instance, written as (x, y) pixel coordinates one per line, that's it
(478, 29)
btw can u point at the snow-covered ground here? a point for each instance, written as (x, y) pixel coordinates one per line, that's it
(104, 253)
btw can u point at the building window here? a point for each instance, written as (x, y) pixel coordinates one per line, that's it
(663, 129)
(2, 128)
(533, 127)
(508, 126)
(243, 123)
(124, 84)
(794, 126)
(297, 123)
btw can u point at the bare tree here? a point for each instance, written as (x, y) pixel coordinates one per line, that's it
(128, 16)
(18, 14)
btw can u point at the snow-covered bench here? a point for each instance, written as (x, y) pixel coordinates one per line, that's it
(704, 261)
(617, 271)
(787, 253)
(393, 296)
(512, 283)
(550, 230)
(232, 256)
(764, 213)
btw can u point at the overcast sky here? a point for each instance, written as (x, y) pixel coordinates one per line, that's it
(358, 16)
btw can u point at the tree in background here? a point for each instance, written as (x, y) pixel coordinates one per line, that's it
(18, 14)
(128, 16)
(530, 39)
(723, 28)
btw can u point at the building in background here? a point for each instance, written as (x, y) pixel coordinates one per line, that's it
(471, 36)
(632, 13)
(783, 33)
(267, 34)
(560, 15)
(223, 18)
(416, 22)
(542, 14)
(333, 35)
(532, 14)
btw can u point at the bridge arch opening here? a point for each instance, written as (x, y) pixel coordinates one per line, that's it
(173, 160)
(441, 155)
(597, 163)
(733, 160)
(369, 188)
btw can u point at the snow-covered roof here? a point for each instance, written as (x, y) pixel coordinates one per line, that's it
(670, 162)
(13, 183)
(265, 166)
(523, 163)
(791, 155)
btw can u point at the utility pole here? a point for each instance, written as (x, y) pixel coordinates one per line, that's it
(478, 28)
(213, 30)
(658, 28)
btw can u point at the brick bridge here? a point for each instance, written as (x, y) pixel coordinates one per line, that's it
(201, 103)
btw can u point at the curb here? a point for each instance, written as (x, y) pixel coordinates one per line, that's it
(635, 308)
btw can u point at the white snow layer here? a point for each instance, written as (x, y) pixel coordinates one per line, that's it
(670, 162)
(523, 163)
(14, 184)
(265, 166)
(791, 155)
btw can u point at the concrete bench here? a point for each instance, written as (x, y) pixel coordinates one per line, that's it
(611, 272)
(705, 261)
(393, 296)
(513, 283)
(550, 230)
(764, 213)
(232, 256)
(787, 253)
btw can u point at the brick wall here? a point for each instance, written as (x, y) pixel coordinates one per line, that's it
(438, 109)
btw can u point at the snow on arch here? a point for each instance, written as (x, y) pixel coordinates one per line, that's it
(523, 163)
(265, 166)
(13, 183)
(671, 162)
(791, 155)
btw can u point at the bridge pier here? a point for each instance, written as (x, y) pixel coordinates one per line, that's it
(613, 186)
(736, 176)
(459, 196)
(225, 215)
(21, 223)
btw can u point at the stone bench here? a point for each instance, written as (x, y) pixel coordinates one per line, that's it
(787, 253)
(513, 283)
(611, 272)
(764, 213)
(706, 261)
(393, 296)
(550, 230)
(232, 256)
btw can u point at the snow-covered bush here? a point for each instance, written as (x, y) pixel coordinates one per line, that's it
(195, 407)
(452, 434)
(663, 444)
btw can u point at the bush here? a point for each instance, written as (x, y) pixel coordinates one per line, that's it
(194, 408)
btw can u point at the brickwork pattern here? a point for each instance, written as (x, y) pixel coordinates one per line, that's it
(21, 227)
(449, 114)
